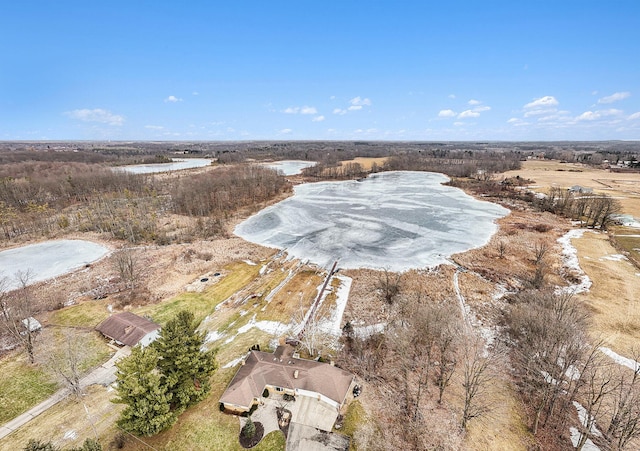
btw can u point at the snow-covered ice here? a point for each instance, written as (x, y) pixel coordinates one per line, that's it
(291, 167)
(395, 220)
(575, 438)
(175, 165)
(48, 259)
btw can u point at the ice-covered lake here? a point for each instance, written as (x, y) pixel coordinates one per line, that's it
(394, 220)
(176, 165)
(291, 167)
(48, 259)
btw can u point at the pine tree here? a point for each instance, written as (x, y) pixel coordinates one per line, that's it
(141, 387)
(184, 365)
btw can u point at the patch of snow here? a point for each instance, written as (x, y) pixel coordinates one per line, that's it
(549, 379)
(70, 435)
(332, 324)
(364, 332)
(575, 438)
(234, 362)
(263, 269)
(620, 360)
(572, 373)
(571, 262)
(250, 263)
(627, 220)
(582, 415)
(613, 257)
(213, 336)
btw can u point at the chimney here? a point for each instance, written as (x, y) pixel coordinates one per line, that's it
(295, 374)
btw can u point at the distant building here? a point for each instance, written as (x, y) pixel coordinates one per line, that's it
(282, 373)
(129, 329)
(580, 189)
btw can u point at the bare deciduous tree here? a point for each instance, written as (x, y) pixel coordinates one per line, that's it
(65, 358)
(17, 310)
(126, 263)
(390, 285)
(476, 377)
(625, 419)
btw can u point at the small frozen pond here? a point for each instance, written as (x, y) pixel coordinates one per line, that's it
(290, 167)
(175, 165)
(48, 259)
(394, 220)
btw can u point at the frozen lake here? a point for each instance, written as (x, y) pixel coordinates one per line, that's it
(394, 220)
(290, 167)
(48, 259)
(176, 165)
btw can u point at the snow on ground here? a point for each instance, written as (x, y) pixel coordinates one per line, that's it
(70, 435)
(333, 323)
(620, 360)
(234, 362)
(571, 262)
(213, 336)
(249, 262)
(575, 438)
(585, 418)
(613, 257)
(270, 327)
(364, 332)
(395, 220)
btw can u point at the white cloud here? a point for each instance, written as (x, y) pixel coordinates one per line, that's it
(172, 99)
(447, 113)
(452, 96)
(588, 116)
(355, 107)
(513, 120)
(542, 102)
(474, 102)
(300, 110)
(482, 108)
(285, 131)
(318, 118)
(611, 112)
(467, 114)
(360, 102)
(96, 115)
(458, 124)
(339, 111)
(614, 97)
(332, 98)
(634, 116)
(195, 93)
(154, 127)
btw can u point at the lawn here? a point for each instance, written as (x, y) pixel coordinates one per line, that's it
(86, 314)
(22, 386)
(239, 274)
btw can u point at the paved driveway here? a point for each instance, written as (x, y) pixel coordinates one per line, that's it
(306, 438)
(313, 412)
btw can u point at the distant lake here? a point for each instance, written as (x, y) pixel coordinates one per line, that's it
(48, 259)
(176, 165)
(290, 167)
(395, 220)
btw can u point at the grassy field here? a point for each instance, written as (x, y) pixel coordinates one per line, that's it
(22, 386)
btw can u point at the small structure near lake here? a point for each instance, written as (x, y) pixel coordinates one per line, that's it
(129, 329)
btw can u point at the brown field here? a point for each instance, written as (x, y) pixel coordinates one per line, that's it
(366, 162)
(545, 174)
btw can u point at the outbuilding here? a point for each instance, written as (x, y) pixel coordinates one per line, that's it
(129, 329)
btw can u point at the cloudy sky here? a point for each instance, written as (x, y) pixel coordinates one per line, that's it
(401, 70)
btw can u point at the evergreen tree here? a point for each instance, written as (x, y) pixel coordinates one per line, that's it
(141, 387)
(186, 368)
(37, 445)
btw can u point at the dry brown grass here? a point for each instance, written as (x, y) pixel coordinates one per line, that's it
(613, 297)
(546, 174)
(367, 162)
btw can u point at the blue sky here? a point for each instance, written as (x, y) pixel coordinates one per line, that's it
(403, 70)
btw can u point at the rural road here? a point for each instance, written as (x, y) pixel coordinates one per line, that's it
(103, 375)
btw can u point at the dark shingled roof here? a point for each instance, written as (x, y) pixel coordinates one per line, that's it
(126, 328)
(279, 370)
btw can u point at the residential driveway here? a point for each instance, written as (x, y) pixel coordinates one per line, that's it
(103, 375)
(307, 438)
(313, 412)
